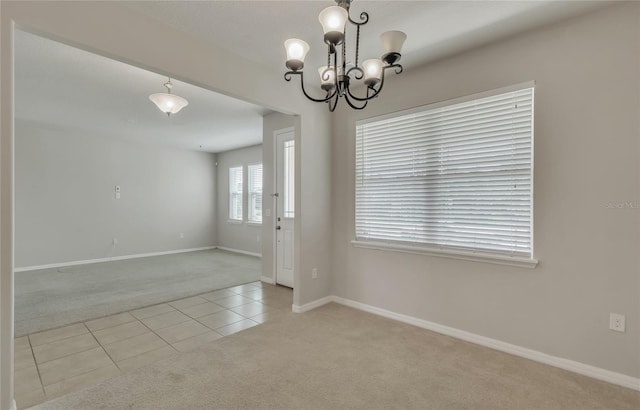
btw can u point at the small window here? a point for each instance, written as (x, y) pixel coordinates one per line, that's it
(255, 193)
(235, 193)
(452, 176)
(289, 179)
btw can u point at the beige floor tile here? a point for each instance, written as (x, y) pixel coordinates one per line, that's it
(22, 343)
(165, 320)
(109, 321)
(73, 365)
(81, 381)
(202, 309)
(257, 283)
(237, 327)
(23, 358)
(182, 331)
(220, 319)
(254, 294)
(28, 399)
(147, 358)
(151, 311)
(184, 303)
(218, 294)
(57, 334)
(61, 348)
(251, 309)
(233, 301)
(26, 380)
(134, 346)
(120, 332)
(197, 341)
(243, 288)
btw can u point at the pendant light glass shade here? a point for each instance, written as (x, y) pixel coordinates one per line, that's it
(333, 20)
(392, 42)
(328, 77)
(168, 103)
(296, 52)
(372, 71)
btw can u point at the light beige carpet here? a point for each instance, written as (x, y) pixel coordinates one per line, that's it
(338, 358)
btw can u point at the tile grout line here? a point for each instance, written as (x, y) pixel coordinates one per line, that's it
(33, 354)
(105, 350)
(161, 338)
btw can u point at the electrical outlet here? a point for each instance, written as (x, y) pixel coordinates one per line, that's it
(617, 322)
(314, 273)
(258, 238)
(115, 241)
(181, 235)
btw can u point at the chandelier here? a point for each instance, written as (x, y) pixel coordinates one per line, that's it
(337, 84)
(168, 103)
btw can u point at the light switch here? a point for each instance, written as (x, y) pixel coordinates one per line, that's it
(267, 212)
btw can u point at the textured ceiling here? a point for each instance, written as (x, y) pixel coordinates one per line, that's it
(257, 29)
(70, 89)
(65, 87)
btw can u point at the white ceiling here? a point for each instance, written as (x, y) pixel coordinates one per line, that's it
(66, 87)
(71, 89)
(257, 29)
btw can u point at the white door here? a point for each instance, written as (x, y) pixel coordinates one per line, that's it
(285, 212)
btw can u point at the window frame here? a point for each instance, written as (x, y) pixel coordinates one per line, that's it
(473, 254)
(250, 194)
(230, 193)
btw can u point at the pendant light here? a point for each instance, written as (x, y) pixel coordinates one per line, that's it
(168, 103)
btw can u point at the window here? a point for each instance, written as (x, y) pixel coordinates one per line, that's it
(255, 193)
(289, 179)
(235, 193)
(453, 177)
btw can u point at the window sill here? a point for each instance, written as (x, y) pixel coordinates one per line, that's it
(254, 224)
(517, 261)
(234, 221)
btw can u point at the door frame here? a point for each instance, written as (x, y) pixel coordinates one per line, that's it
(274, 200)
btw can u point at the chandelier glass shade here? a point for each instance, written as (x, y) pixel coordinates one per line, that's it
(168, 103)
(337, 83)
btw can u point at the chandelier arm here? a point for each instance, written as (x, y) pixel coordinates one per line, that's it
(332, 107)
(352, 105)
(287, 77)
(397, 68)
(364, 19)
(359, 73)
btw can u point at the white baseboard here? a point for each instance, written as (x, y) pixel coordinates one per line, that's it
(222, 248)
(268, 280)
(566, 364)
(14, 406)
(311, 305)
(114, 258)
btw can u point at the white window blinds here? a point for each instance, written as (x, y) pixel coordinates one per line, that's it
(255, 193)
(235, 193)
(456, 176)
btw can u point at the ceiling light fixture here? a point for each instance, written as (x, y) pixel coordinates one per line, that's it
(168, 103)
(336, 85)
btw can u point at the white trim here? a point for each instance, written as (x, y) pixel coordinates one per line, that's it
(456, 100)
(235, 221)
(114, 258)
(517, 261)
(254, 224)
(274, 199)
(223, 248)
(312, 305)
(14, 406)
(566, 364)
(268, 280)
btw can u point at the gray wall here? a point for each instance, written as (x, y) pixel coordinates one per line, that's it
(586, 157)
(231, 234)
(270, 124)
(65, 205)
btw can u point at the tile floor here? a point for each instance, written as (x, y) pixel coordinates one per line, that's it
(59, 361)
